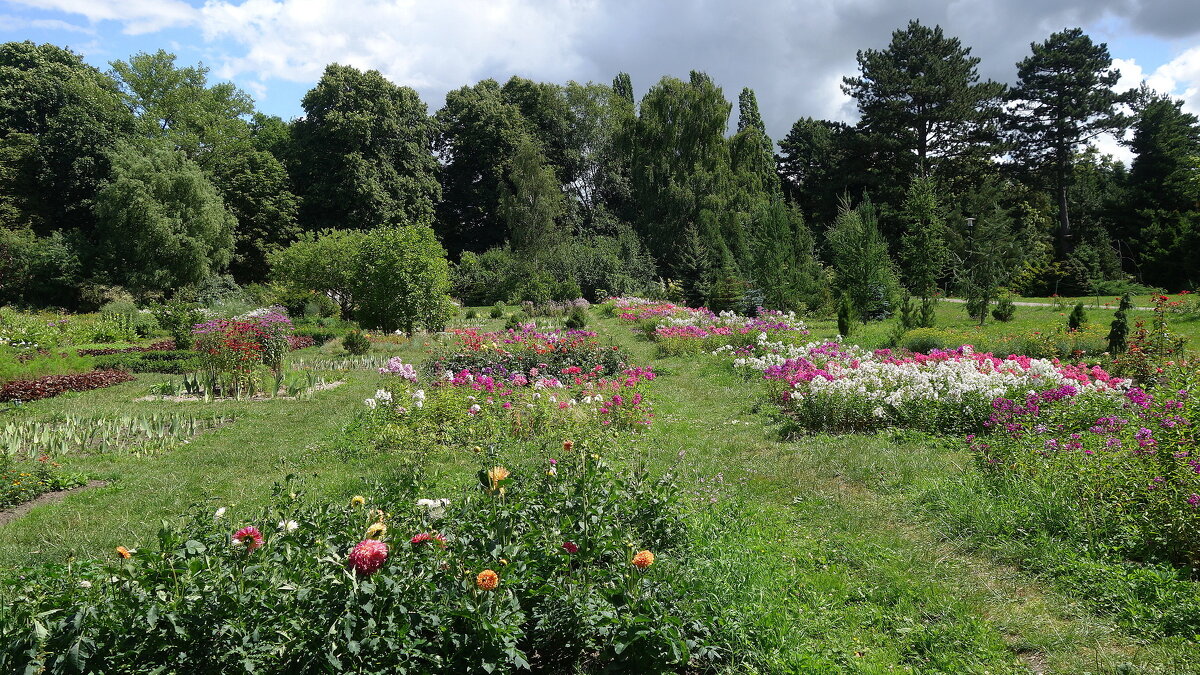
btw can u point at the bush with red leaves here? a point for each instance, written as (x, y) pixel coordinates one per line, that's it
(160, 346)
(299, 342)
(53, 385)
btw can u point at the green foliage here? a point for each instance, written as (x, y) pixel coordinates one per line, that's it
(1078, 318)
(986, 254)
(161, 223)
(365, 153)
(20, 364)
(516, 320)
(925, 340)
(356, 343)
(531, 204)
(178, 318)
(1005, 309)
(497, 310)
(39, 270)
(176, 362)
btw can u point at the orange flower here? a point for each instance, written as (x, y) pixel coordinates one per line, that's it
(124, 552)
(643, 560)
(487, 580)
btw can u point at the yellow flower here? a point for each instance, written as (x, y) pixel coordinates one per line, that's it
(504, 561)
(487, 580)
(643, 560)
(376, 531)
(496, 474)
(358, 500)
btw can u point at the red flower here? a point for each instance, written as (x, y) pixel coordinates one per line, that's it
(570, 547)
(368, 556)
(249, 537)
(427, 538)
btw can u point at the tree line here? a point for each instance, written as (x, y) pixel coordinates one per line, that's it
(152, 178)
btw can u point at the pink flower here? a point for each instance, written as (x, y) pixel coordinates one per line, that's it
(570, 547)
(249, 537)
(428, 537)
(368, 556)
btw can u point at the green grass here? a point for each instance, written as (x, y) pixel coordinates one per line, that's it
(818, 548)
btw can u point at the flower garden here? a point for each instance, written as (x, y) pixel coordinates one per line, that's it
(673, 490)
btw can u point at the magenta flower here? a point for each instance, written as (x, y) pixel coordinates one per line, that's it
(570, 547)
(368, 556)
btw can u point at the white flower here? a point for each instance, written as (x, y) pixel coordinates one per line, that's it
(475, 408)
(435, 508)
(288, 525)
(85, 584)
(370, 403)
(419, 395)
(220, 512)
(383, 396)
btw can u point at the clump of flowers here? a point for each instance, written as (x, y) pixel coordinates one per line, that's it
(396, 366)
(570, 547)
(368, 556)
(249, 537)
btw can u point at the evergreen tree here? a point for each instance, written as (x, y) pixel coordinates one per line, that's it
(1165, 193)
(923, 253)
(752, 154)
(923, 98)
(864, 272)
(819, 161)
(987, 255)
(1062, 99)
(1118, 333)
(1078, 318)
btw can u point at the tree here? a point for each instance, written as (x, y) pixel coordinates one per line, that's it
(531, 201)
(402, 280)
(751, 152)
(1063, 98)
(863, 271)
(922, 97)
(59, 118)
(256, 189)
(1118, 333)
(161, 223)
(364, 153)
(923, 254)
(322, 262)
(782, 262)
(1165, 193)
(177, 104)
(479, 134)
(987, 254)
(820, 161)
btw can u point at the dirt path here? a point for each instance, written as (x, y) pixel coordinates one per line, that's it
(12, 513)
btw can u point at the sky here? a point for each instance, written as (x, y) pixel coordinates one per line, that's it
(792, 53)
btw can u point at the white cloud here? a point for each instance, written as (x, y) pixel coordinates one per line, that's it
(137, 16)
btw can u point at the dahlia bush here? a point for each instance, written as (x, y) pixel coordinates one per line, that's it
(381, 585)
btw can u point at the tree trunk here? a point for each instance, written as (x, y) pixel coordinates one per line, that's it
(1064, 218)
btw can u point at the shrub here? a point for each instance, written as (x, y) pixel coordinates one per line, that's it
(356, 342)
(318, 335)
(1118, 333)
(845, 316)
(471, 314)
(178, 318)
(516, 320)
(1005, 309)
(577, 319)
(925, 340)
(1077, 318)
(497, 311)
(171, 362)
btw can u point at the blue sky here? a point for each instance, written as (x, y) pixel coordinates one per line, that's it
(793, 53)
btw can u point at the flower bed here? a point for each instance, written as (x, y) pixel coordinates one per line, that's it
(558, 565)
(836, 387)
(53, 385)
(522, 350)
(21, 482)
(687, 330)
(1128, 465)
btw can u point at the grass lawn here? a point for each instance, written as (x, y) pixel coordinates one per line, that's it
(836, 565)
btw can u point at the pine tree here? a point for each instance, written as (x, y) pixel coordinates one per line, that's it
(860, 260)
(1062, 99)
(1078, 318)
